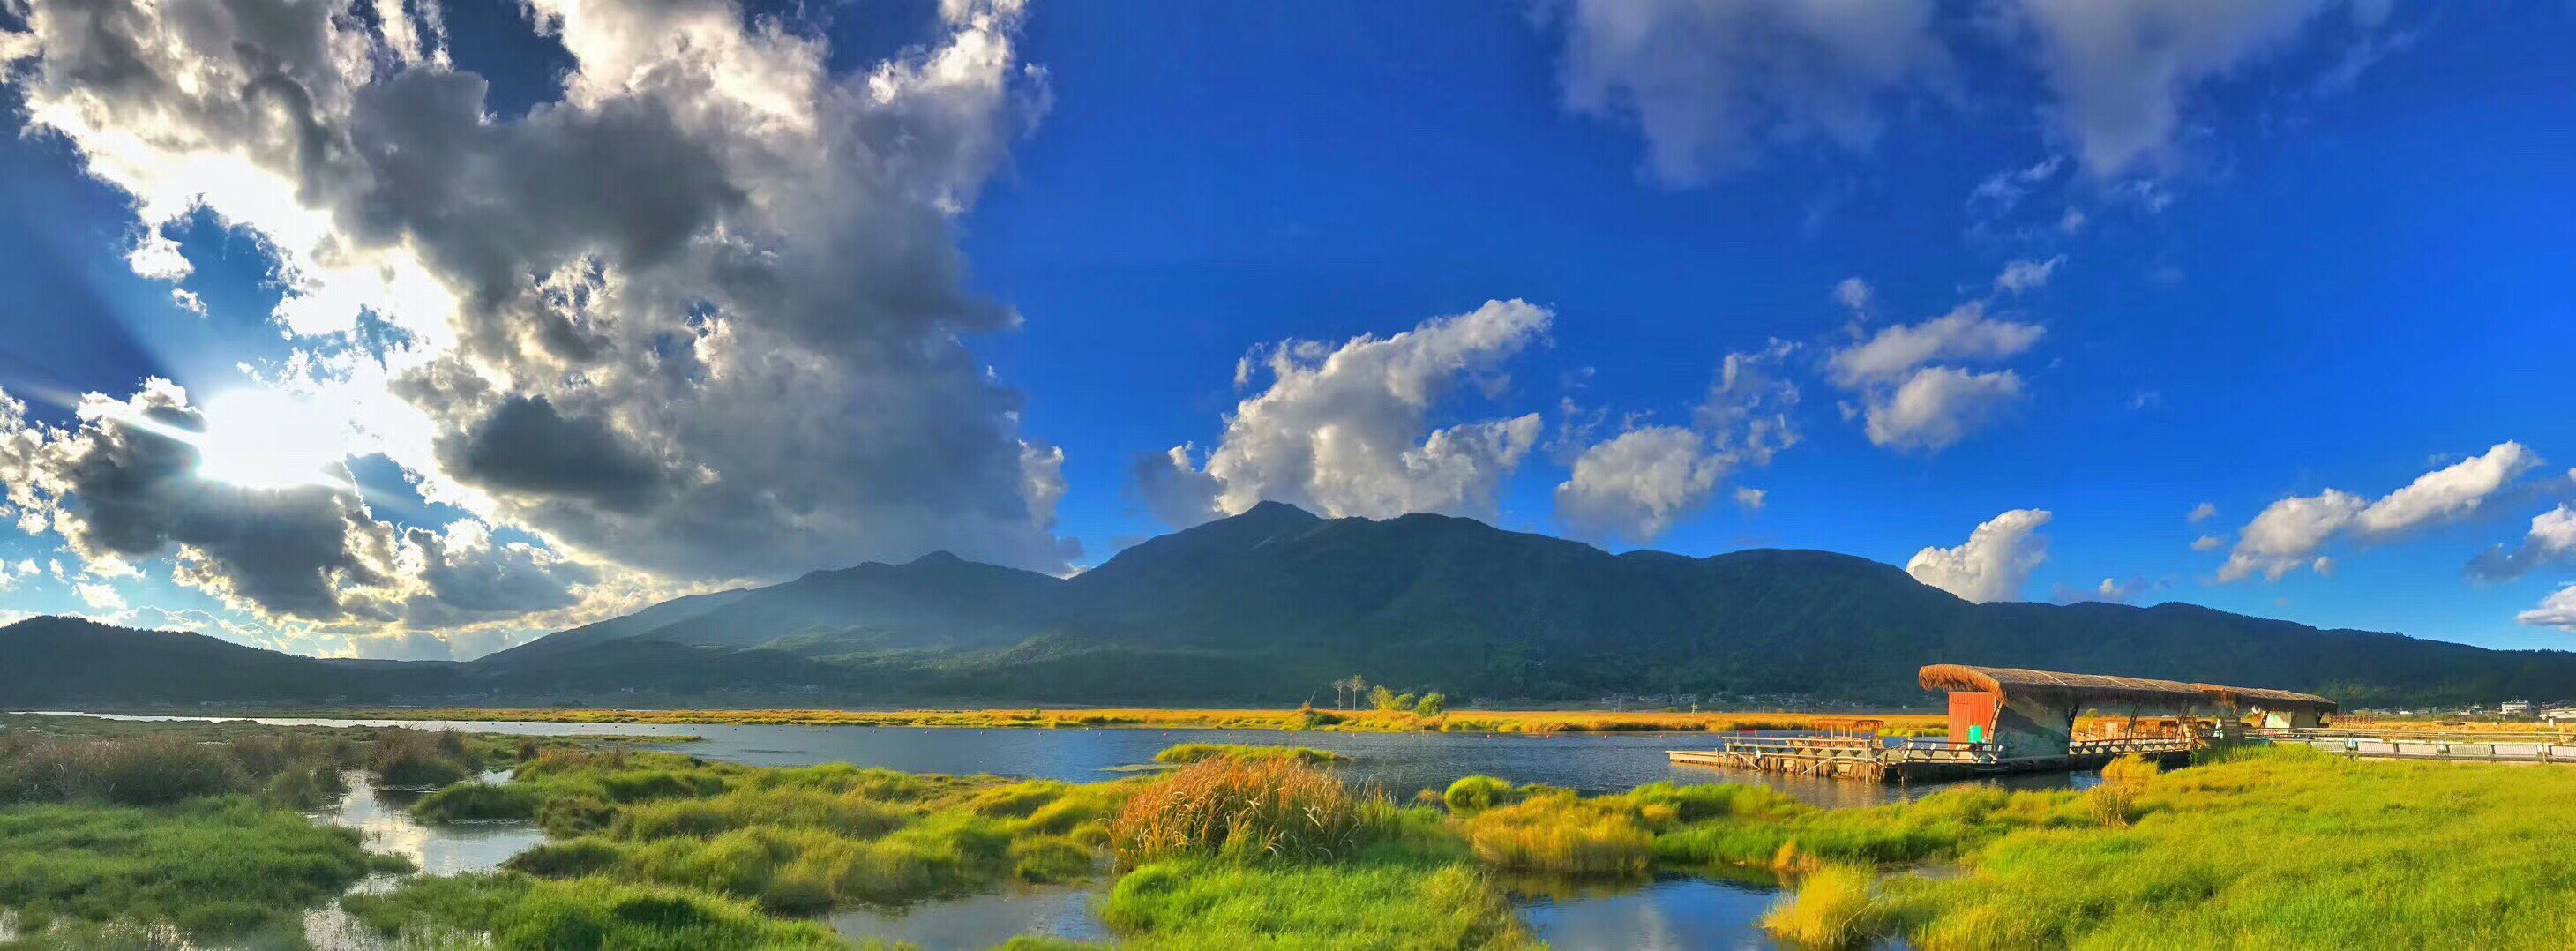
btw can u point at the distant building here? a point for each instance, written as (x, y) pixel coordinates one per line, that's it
(2511, 707)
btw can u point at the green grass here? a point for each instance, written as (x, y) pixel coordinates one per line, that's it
(519, 912)
(1244, 809)
(212, 867)
(473, 800)
(1831, 908)
(1216, 904)
(796, 840)
(1187, 753)
(2279, 848)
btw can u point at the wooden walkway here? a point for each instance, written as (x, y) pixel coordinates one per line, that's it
(1875, 759)
(1885, 760)
(2537, 749)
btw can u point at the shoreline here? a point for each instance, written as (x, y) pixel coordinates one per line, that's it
(1044, 718)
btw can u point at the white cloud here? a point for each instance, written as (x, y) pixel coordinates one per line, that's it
(2558, 610)
(701, 315)
(1638, 484)
(2121, 70)
(2552, 538)
(1993, 565)
(101, 596)
(1346, 430)
(1965, 333)
(2000, 192)
(2447, 493)
(2023, 276)
(2287, 532)
(1710, 84)
(1751, 499)
(2203, 512)
(1939, 406)
(10, 574)
(2110, 591)
(1853, 293)
(2208, 543)
(1910, 403)
(2290, 532)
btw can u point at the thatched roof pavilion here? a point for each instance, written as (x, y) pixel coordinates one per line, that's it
(2274, 701)
(2017, 684)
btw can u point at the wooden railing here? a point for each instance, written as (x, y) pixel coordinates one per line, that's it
(2118, 746)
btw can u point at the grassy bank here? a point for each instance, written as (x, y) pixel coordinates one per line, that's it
(101, 839)
(2277, 848)
(1230, 851)
(792, 840)
(1346, 721)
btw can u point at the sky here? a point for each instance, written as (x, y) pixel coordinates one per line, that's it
(399, 328)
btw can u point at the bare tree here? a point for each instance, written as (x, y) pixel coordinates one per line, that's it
(1349, 690)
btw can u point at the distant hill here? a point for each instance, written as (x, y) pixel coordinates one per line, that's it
(1271, 605)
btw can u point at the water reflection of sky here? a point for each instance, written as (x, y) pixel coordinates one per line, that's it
(1667, 915)
(448, 849)
(981, 921)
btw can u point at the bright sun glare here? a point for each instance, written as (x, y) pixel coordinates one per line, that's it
(271, 440)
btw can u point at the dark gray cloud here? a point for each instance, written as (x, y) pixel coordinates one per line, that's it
(125, 486)
(700, 314)
(525, 446)
(471, 577)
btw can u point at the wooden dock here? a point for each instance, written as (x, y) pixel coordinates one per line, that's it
(2529, 749)
(1910, 761)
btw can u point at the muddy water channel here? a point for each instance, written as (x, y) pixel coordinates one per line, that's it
(1670, 912)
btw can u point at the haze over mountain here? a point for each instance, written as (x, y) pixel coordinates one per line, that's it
(1271, 605)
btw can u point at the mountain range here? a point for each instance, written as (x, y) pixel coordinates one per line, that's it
(1270, 606)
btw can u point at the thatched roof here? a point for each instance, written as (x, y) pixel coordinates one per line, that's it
(2270, 700)
(2014, 682)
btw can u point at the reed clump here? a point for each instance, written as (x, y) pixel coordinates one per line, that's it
(1187, 753)
(164, 769)
(518, 912)
(1474, 793)
(1241, 809)
(2115, 802)
(1204, 902)
(471, 801)
(1831, 907)
(420, 759)
(1562, 833)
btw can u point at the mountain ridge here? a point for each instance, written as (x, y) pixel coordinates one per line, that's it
(1268, 605)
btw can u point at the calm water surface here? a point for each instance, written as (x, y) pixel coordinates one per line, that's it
(1671, 913)
(1399, 762)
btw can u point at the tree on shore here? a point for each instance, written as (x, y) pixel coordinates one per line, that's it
(1348, 691)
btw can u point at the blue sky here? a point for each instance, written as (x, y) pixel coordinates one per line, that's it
(2341, 268)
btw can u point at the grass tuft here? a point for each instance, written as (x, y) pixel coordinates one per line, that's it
(1187, 753)
(1239, 809)
(1831, 908)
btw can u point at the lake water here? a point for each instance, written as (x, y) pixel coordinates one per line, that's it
(1399, 762)
(1667, 914)
(1649, 914)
